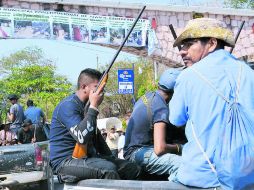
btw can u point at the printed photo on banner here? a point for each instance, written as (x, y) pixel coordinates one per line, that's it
(136, 39)
(31, 29)
(99, 34)
(5, 28)
(116, 35)
(80, 33)
(84, 28)
(61, 31)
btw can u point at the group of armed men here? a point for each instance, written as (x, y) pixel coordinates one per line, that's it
(22, 127)
(183, 98)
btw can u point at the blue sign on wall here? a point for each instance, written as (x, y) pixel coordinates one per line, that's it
(125, 81)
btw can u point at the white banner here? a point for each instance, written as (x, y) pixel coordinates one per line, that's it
(21, 23)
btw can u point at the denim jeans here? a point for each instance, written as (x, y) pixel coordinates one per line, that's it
(159, 165)
(105, 167)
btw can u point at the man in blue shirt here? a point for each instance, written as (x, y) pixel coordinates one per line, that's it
(147, 141)
(71, 125)
(195, 102)
(34, 113)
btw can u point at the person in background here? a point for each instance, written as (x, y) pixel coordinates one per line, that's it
(34, 113)
(16, 114)
(146, 141)
(104, 134)
(7, 137)
(121, 142)
(38, 119)
(25, 134)
(112, 140)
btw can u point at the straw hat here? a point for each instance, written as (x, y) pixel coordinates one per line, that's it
(119, 130)
(206, 27)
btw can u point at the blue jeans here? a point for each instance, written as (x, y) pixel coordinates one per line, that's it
(105, 167)
(159, 165)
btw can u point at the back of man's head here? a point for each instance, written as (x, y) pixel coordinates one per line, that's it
(87, 76)
(168, 79)
(29, 103)
(13, 97)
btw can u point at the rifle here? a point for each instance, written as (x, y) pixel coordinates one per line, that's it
(237, 35)
(174, 34)
(80, 150)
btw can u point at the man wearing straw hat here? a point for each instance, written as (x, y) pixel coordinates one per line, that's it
(197, 100)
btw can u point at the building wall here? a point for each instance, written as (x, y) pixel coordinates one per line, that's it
(163, 17)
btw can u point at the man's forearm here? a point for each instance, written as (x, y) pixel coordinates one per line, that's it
(84, 131)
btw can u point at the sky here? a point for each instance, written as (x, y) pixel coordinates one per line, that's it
(70, 57)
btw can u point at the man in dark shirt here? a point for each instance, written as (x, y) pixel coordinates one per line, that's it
(25, 134)
(70, 125)
(16, 113)
(146, 141)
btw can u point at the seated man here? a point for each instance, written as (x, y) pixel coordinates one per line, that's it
(7, 137)
(145, 140)
(26, 134)
(71, 125)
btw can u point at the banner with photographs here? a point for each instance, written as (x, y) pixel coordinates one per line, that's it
(21, 23)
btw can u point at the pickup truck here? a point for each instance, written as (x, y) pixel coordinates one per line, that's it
(25, 166)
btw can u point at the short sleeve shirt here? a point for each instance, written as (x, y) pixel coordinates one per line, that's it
(17, 111)
(139, 132)
(25, 137)
(34, 113)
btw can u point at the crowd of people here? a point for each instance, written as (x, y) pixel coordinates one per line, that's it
(22, 127)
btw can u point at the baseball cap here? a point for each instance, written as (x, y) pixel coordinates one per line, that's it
(13, 97)
(168, 79)
(27, 122)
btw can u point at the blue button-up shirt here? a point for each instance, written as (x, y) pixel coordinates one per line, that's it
(195, 101)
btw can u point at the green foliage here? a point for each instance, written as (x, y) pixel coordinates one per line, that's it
(30, 75)
(115, 104)
(124, 124)
(249, 4)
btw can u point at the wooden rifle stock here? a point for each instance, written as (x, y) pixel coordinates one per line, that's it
(80, 150)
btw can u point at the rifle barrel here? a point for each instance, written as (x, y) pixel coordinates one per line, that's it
(237, 35)
(123, 42)
(174, 34)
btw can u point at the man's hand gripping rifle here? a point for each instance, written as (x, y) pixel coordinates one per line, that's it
(80, 150)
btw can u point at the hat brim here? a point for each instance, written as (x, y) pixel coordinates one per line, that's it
(215, 32)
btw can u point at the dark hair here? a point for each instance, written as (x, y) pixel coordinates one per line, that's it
(220, 43)
(27, 122)
(29, 103)
(13, 97)
(87, 76)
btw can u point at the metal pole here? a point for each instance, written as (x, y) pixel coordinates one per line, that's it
(155, 71)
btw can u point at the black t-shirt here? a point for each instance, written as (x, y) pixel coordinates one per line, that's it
(25, 137)
(139, 132)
